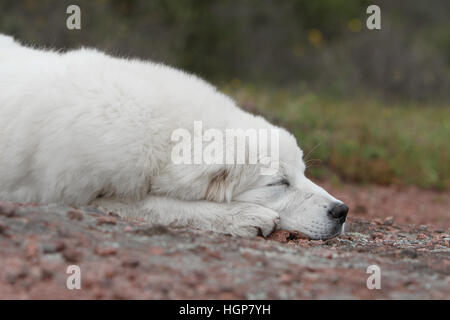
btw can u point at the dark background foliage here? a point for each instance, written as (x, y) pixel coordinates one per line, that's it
(322, 45)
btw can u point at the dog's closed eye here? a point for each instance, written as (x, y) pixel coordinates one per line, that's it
(279, 183)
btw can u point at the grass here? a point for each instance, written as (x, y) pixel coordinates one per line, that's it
(359, 140)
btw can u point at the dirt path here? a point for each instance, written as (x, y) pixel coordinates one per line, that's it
(128, 260)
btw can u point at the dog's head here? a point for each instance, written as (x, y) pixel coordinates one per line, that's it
(302, 205)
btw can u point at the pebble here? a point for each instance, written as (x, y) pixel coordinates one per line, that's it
(389, 221)
(75, 214)
(105, 251)
(46, 274)
(7, 210)
(3, 229)
(376, 235)
(13, 276)
(421, 236)
(32, 248)
(72, 255)
(106, 220)
(377, 221)
(53, 247)
(113, 214)
(285, 236)
(130, 262)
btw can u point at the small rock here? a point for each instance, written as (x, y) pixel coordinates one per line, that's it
(303, 243)
(389, 221)
(332, 242)
(72, 255)
(53, 247)
(279, 236)
(122, 291)
(106, 220)
(105, 251)
(295, 235)
(346, 237)
(421, 236)
(13, 276)
(287, 278)
(376, 235)
(75, 214)
(285, 236)
(131, 262)
(113, 214)
(46, 274)
(32, 248)
(3, 229)
(7, 209)
(378, 221)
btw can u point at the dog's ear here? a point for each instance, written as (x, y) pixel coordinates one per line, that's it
(219, 188)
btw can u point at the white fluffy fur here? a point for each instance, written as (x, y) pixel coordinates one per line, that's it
(84, 128)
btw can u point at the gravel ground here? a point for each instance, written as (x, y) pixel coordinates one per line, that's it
(126, 259)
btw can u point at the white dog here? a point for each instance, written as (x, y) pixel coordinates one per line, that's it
(83, 128)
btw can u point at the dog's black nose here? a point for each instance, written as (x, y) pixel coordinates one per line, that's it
(339, 211)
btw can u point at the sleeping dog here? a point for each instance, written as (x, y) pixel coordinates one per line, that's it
(85, 128)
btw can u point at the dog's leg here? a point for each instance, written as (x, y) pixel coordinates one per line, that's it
(235, 218)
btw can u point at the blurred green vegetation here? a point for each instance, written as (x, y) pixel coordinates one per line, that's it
(324, 46)
(373, 106)
(360, 140)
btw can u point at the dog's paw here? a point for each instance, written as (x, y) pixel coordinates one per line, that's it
(250, 220)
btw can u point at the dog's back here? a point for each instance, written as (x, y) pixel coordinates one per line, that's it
(79, 124)
(7, 41)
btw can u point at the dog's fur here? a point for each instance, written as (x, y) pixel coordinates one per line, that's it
(83, 128)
